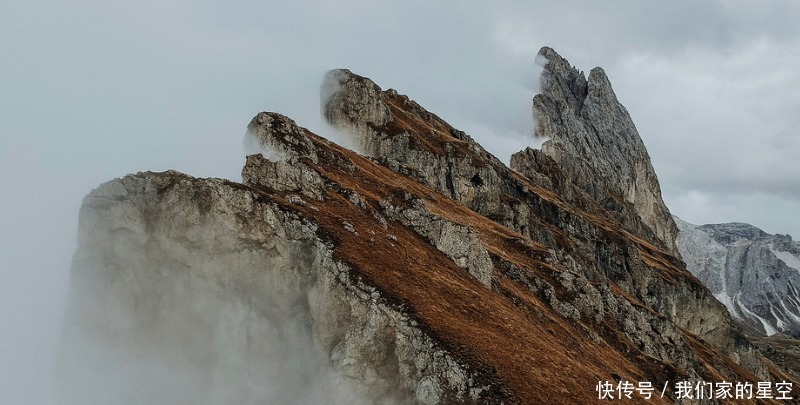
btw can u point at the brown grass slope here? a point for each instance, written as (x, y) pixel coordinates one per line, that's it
(508, 334)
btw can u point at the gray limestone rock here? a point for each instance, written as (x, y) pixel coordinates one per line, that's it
(346, 97)
(460, 243)
(594, 141)
(283, 147)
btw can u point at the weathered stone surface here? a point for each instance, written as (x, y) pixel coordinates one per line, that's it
(597, 146)
(755, 274)
(282, 170)
(460, 243)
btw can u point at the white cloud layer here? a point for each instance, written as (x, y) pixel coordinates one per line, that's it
(91, 90)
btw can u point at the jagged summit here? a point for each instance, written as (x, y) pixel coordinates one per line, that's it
(594, 141)
(562, 81)
(422, 270)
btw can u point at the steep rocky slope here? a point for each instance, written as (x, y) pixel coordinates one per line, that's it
(597, 147)
(755, 274)
(426, 272)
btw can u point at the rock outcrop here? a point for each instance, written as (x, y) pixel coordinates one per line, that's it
(755, 274)
(426, 272)
(597, 147)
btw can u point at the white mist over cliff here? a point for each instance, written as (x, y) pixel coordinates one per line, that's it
(171, 304)
(191, 343)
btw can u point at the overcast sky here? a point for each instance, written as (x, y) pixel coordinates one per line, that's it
(91, 90)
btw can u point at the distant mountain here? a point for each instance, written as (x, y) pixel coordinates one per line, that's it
(755, 274)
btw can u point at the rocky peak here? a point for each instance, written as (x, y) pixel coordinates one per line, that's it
(597, 146)
(281, 134)
(349, 98)
(565, 85)
(286, 149)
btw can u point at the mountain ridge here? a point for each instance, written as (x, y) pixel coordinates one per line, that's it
(425, 271)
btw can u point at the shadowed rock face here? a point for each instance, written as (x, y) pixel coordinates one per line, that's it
(427, 272)
(755, 274)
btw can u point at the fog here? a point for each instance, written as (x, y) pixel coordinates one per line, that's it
(154, 319)
(93, 90)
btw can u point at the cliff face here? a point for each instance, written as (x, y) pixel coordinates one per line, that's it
(755, 274)
(594, 141)
(426, 272)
